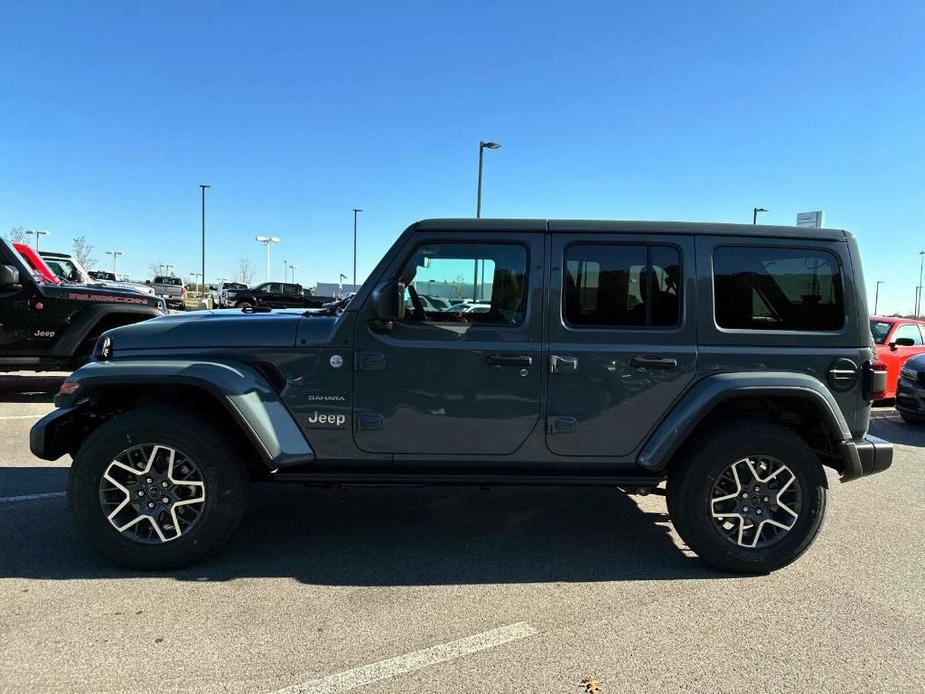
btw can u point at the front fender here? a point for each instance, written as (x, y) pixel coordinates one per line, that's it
(242, 390)
(703, 397)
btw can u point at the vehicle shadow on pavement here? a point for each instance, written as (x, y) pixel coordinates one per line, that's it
(29, 388)
(888, 425)
(392, 536)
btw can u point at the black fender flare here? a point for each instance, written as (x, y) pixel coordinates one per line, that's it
(88, 317)
(709, 392)
(251, 402)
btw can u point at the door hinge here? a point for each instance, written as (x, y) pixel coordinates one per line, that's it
(369, 421)
(370, 361)
(561, 425)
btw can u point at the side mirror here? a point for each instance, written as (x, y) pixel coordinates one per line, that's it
(388, 301)
(9, 276)
(902, 342)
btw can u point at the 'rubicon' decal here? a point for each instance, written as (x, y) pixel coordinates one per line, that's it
(107, 298)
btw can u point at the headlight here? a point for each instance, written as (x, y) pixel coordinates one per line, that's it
(103, 349)
(162, 305)
(231, 295)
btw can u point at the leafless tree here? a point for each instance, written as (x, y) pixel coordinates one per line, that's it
(17, 235)
(83, 252)
(246, 271)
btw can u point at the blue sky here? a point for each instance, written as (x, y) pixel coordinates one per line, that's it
(112, 113)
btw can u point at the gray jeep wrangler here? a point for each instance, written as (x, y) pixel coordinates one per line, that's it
(732, 362)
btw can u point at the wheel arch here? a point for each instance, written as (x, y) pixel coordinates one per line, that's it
(797, 401)
(234, 395)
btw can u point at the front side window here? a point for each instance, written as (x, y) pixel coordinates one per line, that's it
(758, 288)
(621, 286)
(909, 331)
(484, 283)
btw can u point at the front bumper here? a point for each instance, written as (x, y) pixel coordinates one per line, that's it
(54, 434)
(910, 397)
(865, 456)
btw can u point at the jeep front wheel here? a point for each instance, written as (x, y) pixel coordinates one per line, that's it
(157, 488)
(749, 499)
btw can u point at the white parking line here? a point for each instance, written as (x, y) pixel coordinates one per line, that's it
(31, 497)
(385, 669)
(22, 416)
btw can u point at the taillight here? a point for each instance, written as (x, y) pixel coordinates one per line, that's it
(875, 386)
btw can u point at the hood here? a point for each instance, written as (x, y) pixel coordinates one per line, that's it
(222, 328)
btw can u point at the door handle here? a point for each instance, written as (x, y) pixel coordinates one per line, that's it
(509, 360)
(559, 365)
(653, 363)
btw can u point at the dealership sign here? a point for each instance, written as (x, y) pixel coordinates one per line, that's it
(812, 220)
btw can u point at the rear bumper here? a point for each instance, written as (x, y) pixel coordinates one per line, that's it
(865, 456)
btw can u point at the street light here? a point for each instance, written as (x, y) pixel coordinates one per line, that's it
(202, 187)
(755, 212)
(918, 290)
(267, 241)
(482, 147)
(285, 271)
(38, 234)
(196, 281)
(169, 269)
(293, 268)
(877, 296)
(356, 211)
(115, 255)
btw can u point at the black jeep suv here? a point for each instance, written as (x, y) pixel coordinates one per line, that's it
(733, 363)
(47, 326)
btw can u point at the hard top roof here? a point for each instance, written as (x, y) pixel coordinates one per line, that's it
(637, 227)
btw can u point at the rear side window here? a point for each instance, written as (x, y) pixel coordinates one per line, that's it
(759, 288)
(611, 285)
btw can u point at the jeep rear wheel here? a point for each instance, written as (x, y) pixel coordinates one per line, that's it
(750, 498)
(157, 488)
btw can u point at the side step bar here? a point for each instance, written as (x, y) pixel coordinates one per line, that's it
(466, 479)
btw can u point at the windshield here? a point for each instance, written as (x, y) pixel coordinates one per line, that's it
(880, 329)
(65, 269)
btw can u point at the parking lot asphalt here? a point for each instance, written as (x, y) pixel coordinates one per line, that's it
(459, 590)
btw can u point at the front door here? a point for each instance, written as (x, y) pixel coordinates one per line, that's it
(460, 375)
(621, 338)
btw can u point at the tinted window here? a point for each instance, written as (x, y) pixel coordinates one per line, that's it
(439, 275)
(777, 289)
(291, 289)
(880, 329)
(617, 285)
(908, 330)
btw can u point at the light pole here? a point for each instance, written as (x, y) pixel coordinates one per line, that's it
(162, 268)
(285, 271)
(169, 269)
(478, 199)
(918, 292)
(202, 187)
(38, 234)
(877, 296)
(267, 241)
(755, 212)
(115, 255)
(356, 211)
(293, 268)
(197, 282)
(340, 285)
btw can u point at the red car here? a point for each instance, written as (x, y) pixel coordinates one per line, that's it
(897, 339)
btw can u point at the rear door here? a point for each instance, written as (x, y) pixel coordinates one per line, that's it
(621, 338)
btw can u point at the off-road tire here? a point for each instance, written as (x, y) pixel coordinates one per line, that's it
(915, 420)
(244, 304)
(223, 471)
(691, 480)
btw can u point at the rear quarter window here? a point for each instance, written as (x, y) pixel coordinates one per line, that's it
(774, 288)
